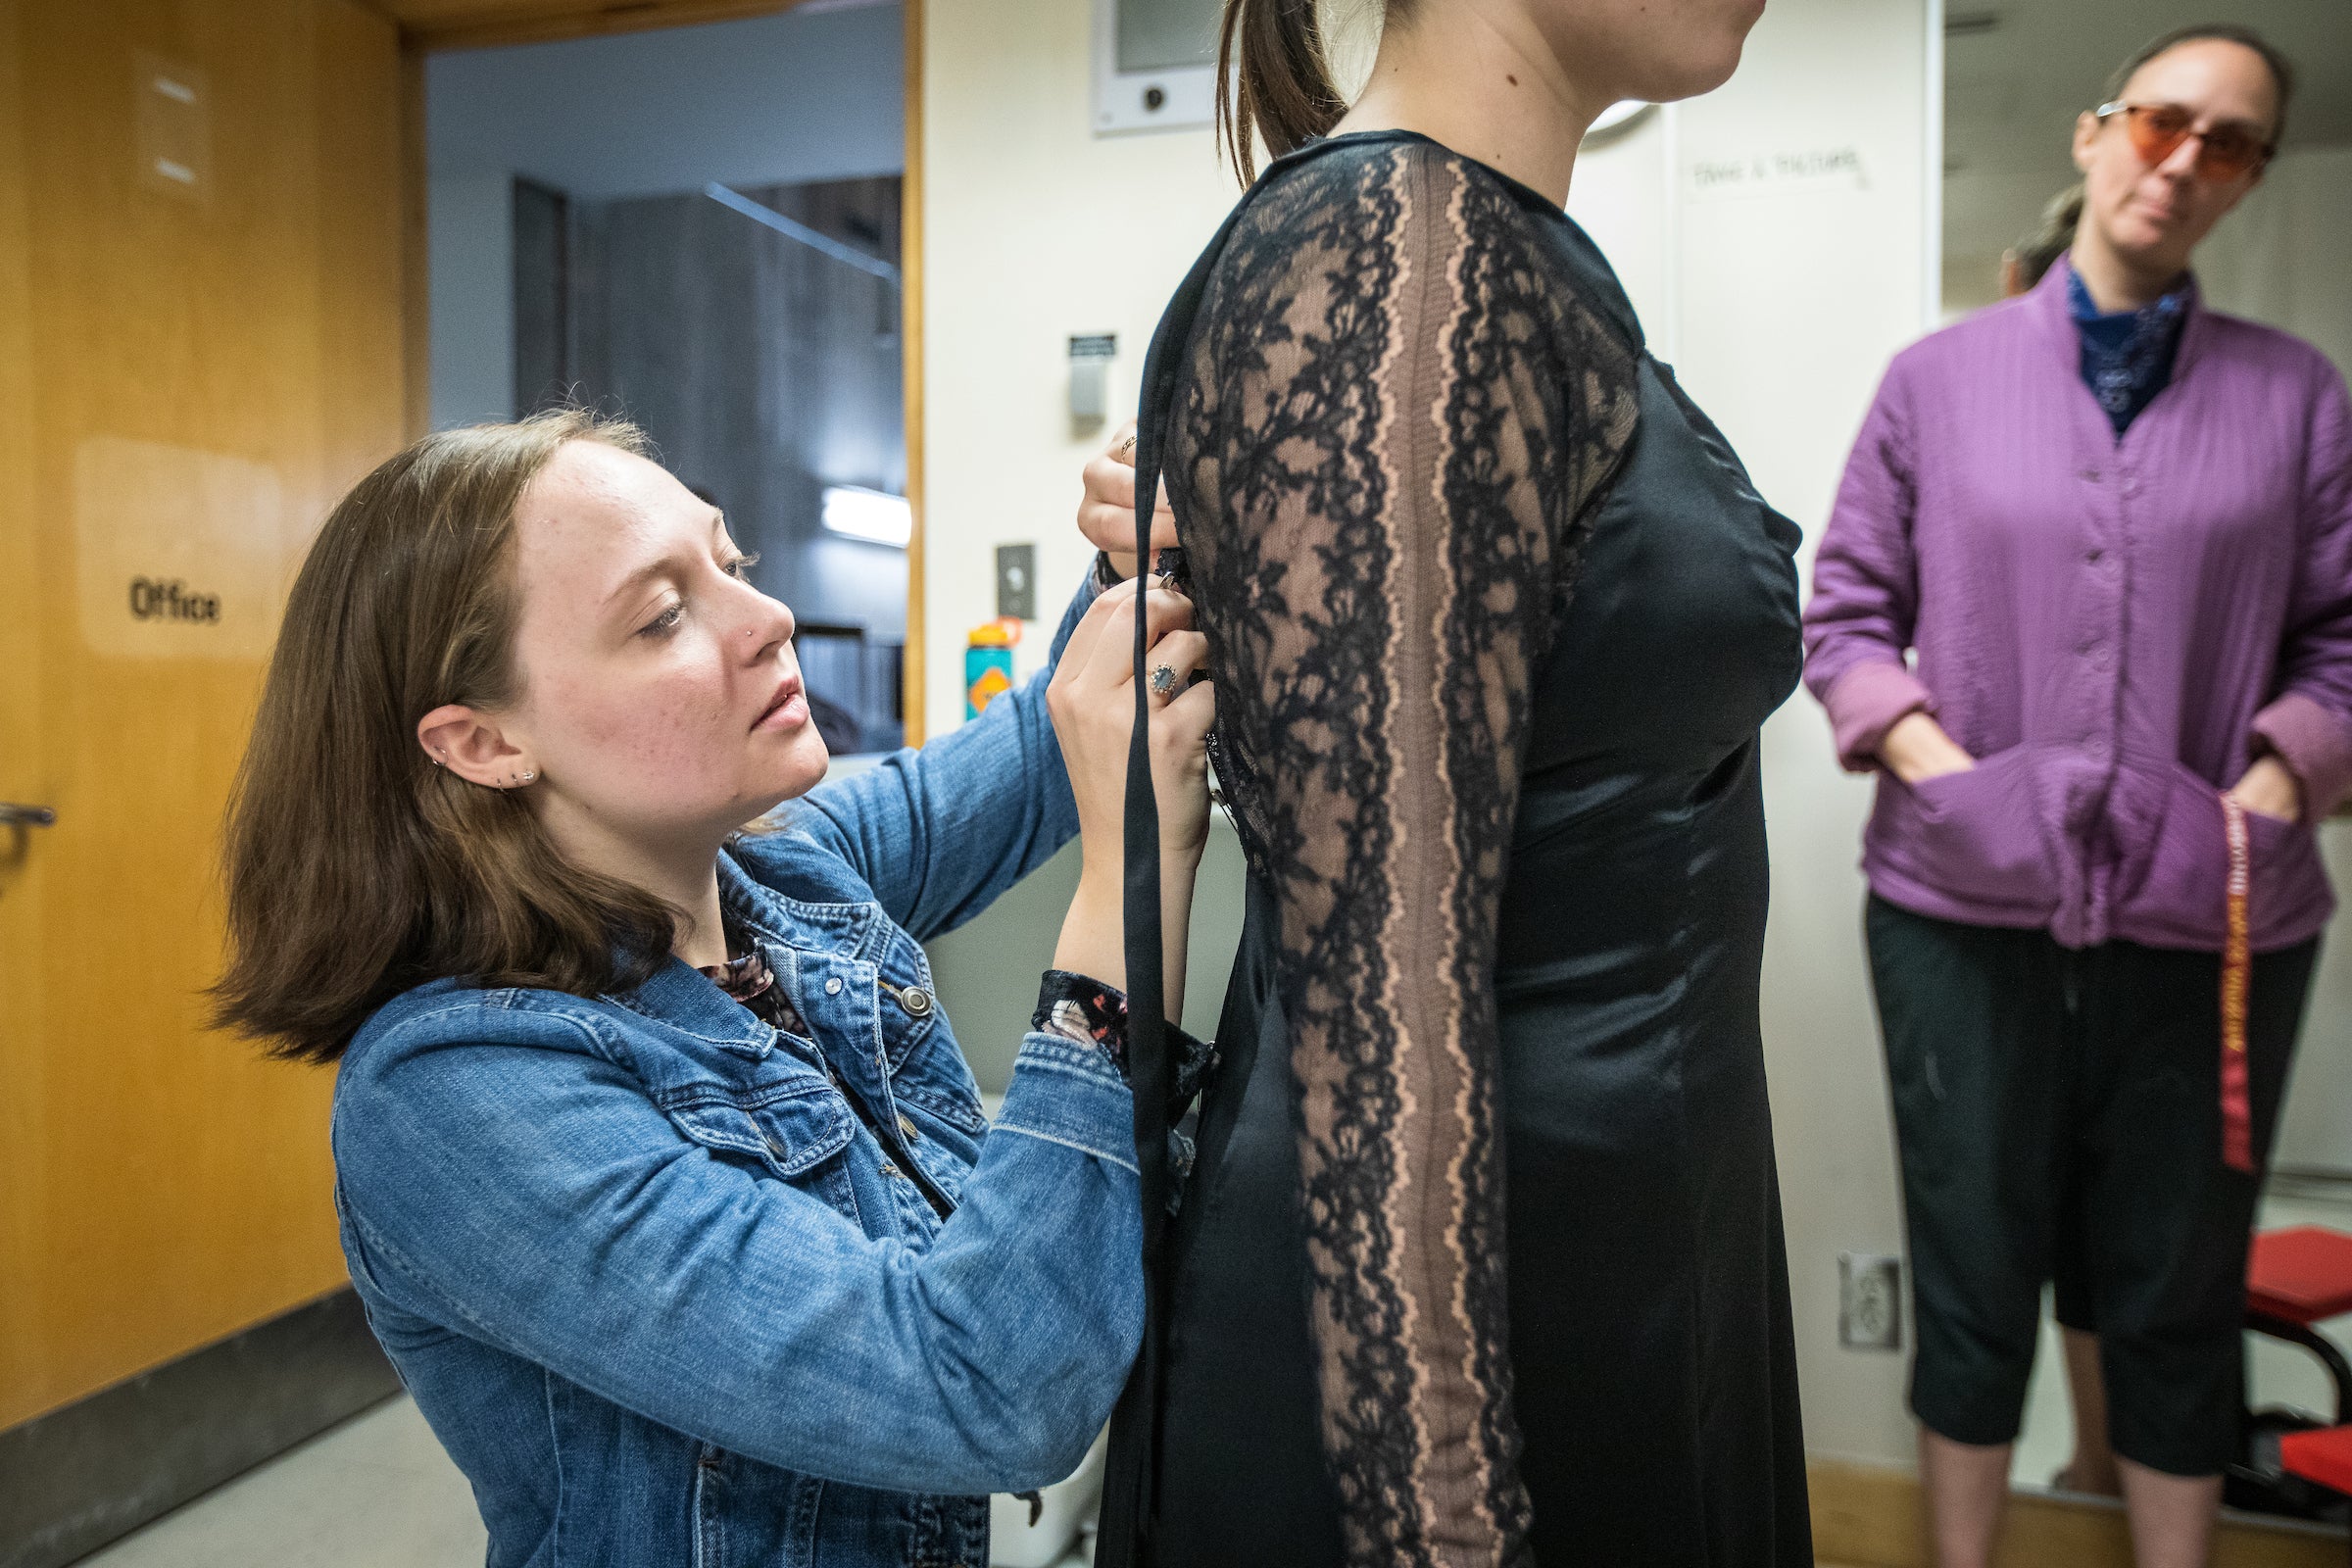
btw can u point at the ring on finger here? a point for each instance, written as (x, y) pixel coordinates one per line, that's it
(1163, 680)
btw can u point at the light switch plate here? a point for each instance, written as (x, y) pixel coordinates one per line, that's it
(1016, 582)
(1869, 1301)
(1091, 354)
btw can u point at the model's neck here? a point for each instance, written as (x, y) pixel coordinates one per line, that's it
(1486, 85)
(683, 875)
(2119, 282)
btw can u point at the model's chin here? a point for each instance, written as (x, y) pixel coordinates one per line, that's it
(1702, 70)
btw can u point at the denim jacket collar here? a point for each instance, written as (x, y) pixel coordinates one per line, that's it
(679, 996)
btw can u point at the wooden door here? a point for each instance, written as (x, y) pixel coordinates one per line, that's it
(201, 347)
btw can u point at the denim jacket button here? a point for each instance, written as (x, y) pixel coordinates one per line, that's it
(775, 1145)
(916, 1000)
(906, 1126)
(833, 987)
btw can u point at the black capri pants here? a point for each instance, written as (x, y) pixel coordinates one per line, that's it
(2058, 1113)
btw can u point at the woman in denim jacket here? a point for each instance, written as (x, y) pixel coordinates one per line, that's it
(660, 1174)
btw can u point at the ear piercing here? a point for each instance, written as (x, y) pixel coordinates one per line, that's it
(512, 780)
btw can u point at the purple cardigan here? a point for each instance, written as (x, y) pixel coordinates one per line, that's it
(2115, 627)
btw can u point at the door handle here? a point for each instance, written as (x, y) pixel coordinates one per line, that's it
(15, 815)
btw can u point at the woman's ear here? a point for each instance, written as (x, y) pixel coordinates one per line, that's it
(2086, 131)
(475, 748)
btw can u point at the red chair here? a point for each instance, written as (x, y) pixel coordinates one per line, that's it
(2321, 1456)
(2296, 1278)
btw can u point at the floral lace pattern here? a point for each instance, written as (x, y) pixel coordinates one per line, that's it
(1396, 417)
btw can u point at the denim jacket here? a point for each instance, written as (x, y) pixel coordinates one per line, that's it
(662, 1294)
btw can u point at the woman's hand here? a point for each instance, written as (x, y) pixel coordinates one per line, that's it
(1107, 511)
(1092, 699)
(2271, 789)
(1916, 750)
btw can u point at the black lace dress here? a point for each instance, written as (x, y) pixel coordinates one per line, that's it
(1480, 1257)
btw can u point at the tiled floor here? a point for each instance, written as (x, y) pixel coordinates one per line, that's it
(379, 1493)
(374, 1492)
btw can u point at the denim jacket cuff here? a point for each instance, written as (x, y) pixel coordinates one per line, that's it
(1070, 1094)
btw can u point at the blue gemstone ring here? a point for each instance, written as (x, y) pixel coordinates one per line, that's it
(1163, 680)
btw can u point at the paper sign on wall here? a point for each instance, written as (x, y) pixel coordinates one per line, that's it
(179, 553)
(1774, 173)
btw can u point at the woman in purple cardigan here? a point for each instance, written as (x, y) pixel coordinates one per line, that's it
(2115, 529)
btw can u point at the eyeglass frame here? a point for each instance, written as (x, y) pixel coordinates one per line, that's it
(2265, 151)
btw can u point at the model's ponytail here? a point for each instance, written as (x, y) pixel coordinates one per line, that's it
(1273, 81)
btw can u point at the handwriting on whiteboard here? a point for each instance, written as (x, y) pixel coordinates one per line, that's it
(1777, 173)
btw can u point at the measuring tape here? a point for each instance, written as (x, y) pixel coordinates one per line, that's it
(2237, 978)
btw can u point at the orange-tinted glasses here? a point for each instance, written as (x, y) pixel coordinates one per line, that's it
(2157, 130)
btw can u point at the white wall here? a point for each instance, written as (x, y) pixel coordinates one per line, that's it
(1781, 305)
(2282, 257)
(1034, 229)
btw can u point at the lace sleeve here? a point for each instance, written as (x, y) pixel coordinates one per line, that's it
(1395, 416)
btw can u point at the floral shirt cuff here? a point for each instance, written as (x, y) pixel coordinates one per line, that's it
(1072, 1006)
(1167, 563)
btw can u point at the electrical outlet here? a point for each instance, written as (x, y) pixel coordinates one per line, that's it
(1869, 1301)
(1016, 582)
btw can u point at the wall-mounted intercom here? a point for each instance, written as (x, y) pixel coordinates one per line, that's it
(1155, 64)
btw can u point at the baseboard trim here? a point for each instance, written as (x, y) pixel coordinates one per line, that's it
(1870, 1516)
(93, 1471)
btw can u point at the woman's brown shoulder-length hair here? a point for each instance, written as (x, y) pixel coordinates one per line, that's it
(356, 870)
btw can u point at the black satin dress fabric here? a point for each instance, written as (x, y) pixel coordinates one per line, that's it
(1649, 1329)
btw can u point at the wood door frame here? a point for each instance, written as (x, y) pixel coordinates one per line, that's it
(582, 19)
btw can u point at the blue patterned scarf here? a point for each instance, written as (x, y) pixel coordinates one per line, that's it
(2128, 355)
